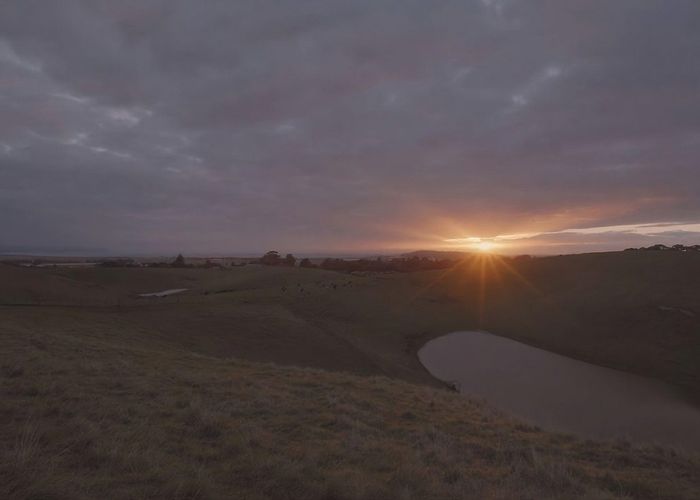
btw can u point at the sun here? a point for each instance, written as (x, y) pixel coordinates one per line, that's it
(484, 246)
(477, 244)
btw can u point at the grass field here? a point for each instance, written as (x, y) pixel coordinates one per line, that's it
(111, 395)
(636, 311)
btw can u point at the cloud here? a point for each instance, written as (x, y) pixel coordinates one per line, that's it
(588, 238)
(343, 125)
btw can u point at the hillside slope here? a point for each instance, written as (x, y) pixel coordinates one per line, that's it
(634, 311)
(88, 413)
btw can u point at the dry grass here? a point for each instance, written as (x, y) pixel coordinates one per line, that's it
(89, 415)
(106, 395)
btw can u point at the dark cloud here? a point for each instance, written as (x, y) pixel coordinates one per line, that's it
(163, 125)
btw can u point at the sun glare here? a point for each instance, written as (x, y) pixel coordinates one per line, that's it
(484, 246)
(477, 244)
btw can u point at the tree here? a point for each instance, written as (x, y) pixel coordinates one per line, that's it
(179, 261)
(290, 260)
(306, 263)
(271, 258)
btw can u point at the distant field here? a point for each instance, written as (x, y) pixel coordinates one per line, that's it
(635, 311)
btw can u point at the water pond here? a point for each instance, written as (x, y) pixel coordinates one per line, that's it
(563, 394)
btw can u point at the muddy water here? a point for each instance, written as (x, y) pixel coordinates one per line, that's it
(562, 394)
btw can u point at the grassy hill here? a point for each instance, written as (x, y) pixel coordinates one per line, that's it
(635, 311)
(112, 395)
(91, 414)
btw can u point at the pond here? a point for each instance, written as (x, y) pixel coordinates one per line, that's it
(563, 394)
(164, 293)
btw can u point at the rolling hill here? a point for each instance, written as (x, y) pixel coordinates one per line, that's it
(112, 395)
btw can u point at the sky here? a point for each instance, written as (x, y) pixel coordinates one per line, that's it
(354, 126)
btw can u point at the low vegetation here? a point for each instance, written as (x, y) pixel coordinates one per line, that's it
(665, 248)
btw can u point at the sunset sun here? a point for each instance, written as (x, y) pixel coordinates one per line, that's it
(484, 246)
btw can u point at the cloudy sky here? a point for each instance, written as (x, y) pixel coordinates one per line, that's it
(237, 126)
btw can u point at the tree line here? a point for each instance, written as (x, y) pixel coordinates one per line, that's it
(397, 264)
(665, 248)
